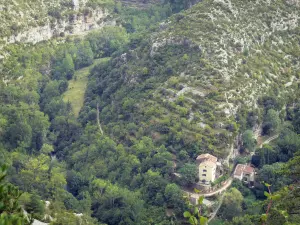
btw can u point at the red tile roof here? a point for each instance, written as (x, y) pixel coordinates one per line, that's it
(209, 163)
(243, 169)
(207, 157)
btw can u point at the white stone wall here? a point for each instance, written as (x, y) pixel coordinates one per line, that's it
(80, 25)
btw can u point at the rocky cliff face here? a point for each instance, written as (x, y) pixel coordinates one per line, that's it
(79, 25)
(29, 23)
(293, 2)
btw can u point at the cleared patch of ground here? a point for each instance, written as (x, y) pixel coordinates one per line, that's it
(77, 87)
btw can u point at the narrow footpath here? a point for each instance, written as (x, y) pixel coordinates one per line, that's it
(220, 190)
(269, 140)
(213, 215)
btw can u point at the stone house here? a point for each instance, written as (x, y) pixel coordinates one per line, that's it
(207, 166)
(244, 173)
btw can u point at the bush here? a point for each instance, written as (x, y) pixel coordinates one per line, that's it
(35, 206)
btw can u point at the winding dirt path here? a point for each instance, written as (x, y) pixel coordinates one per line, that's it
(220, 190)
(230, 155)
(98, 119)
(213, 215)
(269, 140)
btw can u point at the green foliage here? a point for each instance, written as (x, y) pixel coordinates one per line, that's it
(248, 140)
(109, 197)
(288, 144)
(243, 159)
(189, 174)
(183, 155)
(296, 118)
(164, 97)
(173, 195)
(28, 129)
(194, 215)
(84, 55)
(36, 122)
(178, 5)
(232, 204)
(68, 66)
(154, 187)
(269, 102)
(35, 206)
(108, 40)
(102, 3)
(239, 185)
(271, 174)
(265, 155)
(245, 220)
(143, 19)
(271, 122)
(64, 69)
(10, 210)
(220, 180)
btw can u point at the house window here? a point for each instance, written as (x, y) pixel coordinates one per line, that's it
(203, 175)
(204, 170)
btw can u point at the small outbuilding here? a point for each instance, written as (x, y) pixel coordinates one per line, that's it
(244, 173)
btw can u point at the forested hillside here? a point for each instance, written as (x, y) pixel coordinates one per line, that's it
(188, 81)
(105, 127)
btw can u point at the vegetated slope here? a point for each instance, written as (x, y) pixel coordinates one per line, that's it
(184, 85)
(77, 87)
(38, 131)
(177, 5)
(138, 3)
(33, 116)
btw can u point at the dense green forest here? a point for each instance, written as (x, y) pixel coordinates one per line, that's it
(172, 80)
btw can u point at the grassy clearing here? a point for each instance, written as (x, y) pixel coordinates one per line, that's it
(77, 87)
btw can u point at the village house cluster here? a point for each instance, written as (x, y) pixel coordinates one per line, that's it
(210, 169)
